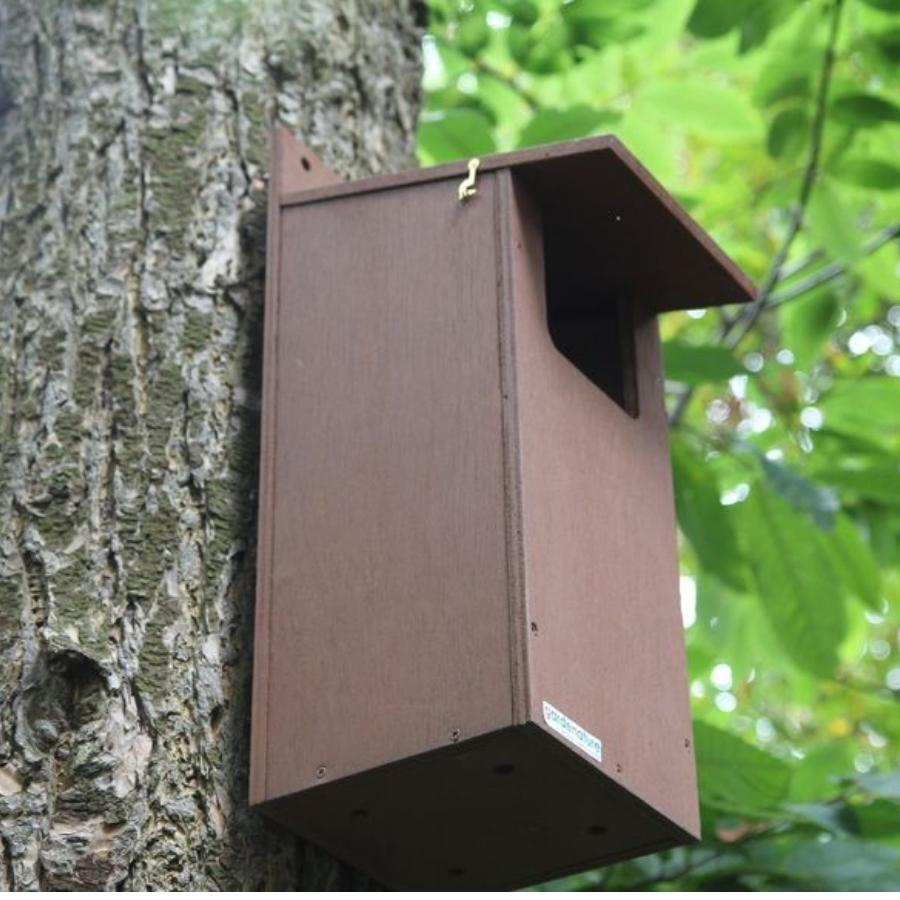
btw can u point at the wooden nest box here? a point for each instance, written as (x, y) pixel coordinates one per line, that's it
(469, 667)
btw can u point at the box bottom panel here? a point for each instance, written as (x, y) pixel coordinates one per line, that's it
(501, 811)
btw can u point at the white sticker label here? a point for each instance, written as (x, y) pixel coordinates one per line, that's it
(573, 732)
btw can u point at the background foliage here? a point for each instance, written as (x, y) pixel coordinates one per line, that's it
(776, 123)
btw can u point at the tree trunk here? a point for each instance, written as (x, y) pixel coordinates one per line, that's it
(133, 149)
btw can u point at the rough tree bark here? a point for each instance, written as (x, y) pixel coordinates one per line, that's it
(133, 147)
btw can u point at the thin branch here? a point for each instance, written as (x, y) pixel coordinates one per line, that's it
(833, 270)
(735, 328)
(484, 68)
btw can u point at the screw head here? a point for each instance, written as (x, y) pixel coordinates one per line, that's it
(321, 772)
(454, 735)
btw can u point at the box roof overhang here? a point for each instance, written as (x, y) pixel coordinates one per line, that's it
(620, 227)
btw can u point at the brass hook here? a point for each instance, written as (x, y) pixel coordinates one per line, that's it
(467, 185)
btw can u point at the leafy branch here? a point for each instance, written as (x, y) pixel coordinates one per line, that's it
(833, 270)
(736, 327)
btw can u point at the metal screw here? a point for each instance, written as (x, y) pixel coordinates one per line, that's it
(618, 769)
(687, 743)
(534, 627)
(454, 736)
(321, 772)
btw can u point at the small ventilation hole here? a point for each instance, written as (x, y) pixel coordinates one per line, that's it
(305, 163)
(597, 829)
(504, 769)
(455, 871)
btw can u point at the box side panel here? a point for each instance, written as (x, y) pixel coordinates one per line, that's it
(291, 167)
(389, 619)
(606, 646)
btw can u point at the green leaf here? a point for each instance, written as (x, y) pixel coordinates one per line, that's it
(735, 776)
(878, 819)
(844, 864)
(550, 125)
(856, 564)
(874, 478)
(881, 784)
(885, 5)
(473, 34)
(601, 22)
(832, 223)
(592, 10)
(699, 365)
(798, 586)
(869, 173)
(887, 44)
(816, 775)
(542, 49)
(787, 76)
(867, 404)
(761, 17)
(713, 18)
(703, 519)
(807, 322)
(819, 503)
(838, 818)
(524, 11)
(788, 133)
(455, 134)
(864, 110)
(701, 108)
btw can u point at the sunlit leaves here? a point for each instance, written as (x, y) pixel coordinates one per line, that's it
(832, 221)
(542, 48)
(473, 35)
(703, 519)
(699, 364)
(798, 587)
(808, 322)
(868, 405)
(856, 564)
(736, 776)
(702, 108)
(550, 125)
(787, 459)
(454, 134)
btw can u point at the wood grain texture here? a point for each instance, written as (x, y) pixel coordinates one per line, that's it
(601, 564)
(389, 614)
(605, 195)
(292, 166)
(465, 523)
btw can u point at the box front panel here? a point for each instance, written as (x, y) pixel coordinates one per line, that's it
(389, 614)
(605, 647)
